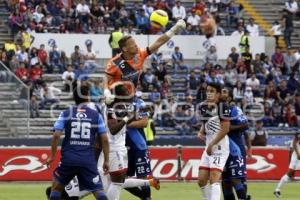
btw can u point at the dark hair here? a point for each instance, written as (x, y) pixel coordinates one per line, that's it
(230, 92)
(120, 90)
(217, 86)
(121, 93)
(80, 94)
(123, 40)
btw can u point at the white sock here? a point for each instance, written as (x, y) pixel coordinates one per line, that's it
(114, 190)
(132, 182)
(206, 192)
(105, 181)
(215, 191)
(282, 181)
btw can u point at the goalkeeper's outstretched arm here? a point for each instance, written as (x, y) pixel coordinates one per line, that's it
(180, 25)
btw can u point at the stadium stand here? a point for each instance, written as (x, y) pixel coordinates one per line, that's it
(14, 119)
(4, 30)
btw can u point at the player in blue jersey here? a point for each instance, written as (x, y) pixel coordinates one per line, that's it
(234, 174)
(83, 128)
(138, 156)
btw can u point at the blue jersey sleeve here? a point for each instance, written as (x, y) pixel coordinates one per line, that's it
(59, 125)
(234, 148)
(101, 125)
(140, 104)
(238, 116)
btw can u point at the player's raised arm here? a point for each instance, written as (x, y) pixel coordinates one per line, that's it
(180, 25)
(115, 125)
(109, 97)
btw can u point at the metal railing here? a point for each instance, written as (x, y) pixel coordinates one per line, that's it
(14, 103)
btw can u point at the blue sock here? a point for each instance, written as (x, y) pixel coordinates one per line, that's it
(54, 195)
(228, 194)
(245, 185)
(240, 191)
(101, 196)
(136, 191)
(146, 192)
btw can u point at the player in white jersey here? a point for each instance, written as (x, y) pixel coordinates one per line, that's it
(120, 115)
(215, 117)
(294, 165)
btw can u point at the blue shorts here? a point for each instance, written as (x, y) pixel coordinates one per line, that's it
(235, 168)
(88, 176)
(138, 163)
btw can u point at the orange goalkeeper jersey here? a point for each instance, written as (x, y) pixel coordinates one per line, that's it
(126, 70)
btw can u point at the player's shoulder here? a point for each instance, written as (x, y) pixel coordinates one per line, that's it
(91, 109)
(67, 111)
(224, 110)
(203, 107)
(114, 60)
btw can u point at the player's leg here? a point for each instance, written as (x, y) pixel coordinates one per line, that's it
(116, 185)
(134, 182)
(100, 195)
(136, 191)
(215, 186)
(294, 163)
(117, 171)
(284, 179)
(143, 170)
(48, 191)
(56, 190)
(244, 181)
(64, 195)
(227, 190)
(217, 162)
(239, 189)
(203, 176)
(62, 175)
(237, 175)
(90, 180)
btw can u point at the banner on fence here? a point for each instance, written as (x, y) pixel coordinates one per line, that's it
(27, 164)
(192, 47)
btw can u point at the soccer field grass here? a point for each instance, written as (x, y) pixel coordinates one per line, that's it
(174, 191)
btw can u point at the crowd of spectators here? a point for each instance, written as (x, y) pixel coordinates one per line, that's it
(29, 64)
(58, 16)
(270, 80)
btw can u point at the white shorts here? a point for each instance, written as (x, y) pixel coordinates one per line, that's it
(118, 161)
(72, 189)
(295, 163)
(216, 161)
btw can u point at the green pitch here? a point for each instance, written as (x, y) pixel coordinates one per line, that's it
(174, 191)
